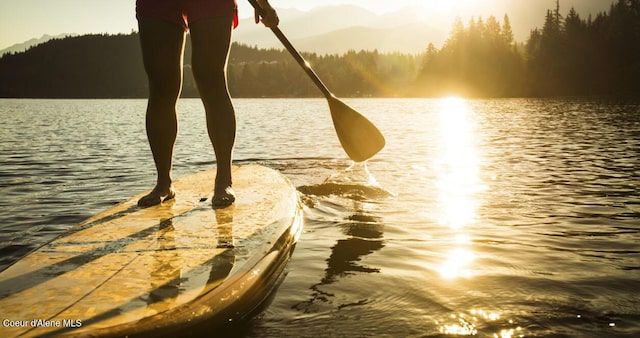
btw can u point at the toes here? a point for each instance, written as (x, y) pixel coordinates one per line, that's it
(171, 195)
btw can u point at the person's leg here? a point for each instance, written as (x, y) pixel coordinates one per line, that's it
(162, 45)
(210, 40)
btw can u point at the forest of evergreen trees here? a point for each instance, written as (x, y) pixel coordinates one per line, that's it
(569, 56)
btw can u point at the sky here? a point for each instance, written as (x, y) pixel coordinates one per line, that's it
(21, 20)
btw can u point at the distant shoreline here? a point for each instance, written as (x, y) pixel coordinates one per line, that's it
(569, 56)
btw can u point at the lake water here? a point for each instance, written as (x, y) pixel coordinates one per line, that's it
(507, 218)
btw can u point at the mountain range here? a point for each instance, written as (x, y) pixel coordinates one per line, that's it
(337, 29)
(21, 47)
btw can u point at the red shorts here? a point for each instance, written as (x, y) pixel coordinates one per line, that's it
(184, 11)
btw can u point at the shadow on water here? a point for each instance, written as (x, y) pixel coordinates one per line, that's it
(364, 236)
(363, 231)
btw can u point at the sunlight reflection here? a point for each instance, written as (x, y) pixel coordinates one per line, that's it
(458, 172)
(457, 263)
(459, 330)
(457, 165)
(476, 321)
(491, 316)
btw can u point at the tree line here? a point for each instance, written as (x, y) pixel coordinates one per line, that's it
(568, 56)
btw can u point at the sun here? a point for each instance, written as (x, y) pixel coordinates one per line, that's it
(442, 6)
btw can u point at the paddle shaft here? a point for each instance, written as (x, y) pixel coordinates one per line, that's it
(296, 55)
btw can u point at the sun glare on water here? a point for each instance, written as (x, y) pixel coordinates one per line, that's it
(458, 169)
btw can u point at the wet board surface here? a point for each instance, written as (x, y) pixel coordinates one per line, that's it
(179, 267)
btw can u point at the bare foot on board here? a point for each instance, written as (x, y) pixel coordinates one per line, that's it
(224, 198)
(157, 196)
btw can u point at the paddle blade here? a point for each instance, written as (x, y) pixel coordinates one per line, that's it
(360, 139)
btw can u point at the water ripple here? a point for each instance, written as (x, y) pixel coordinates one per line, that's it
(488, 217)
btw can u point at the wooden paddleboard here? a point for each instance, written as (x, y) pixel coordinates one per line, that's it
(170, 270)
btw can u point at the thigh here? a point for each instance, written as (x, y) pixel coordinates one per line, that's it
(210, 41)
(197, 10)
(162, 45)
(169, 10)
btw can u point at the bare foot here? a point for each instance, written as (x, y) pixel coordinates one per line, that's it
(223, 199)
(157, 196)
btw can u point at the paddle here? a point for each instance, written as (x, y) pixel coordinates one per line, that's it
(360, 139)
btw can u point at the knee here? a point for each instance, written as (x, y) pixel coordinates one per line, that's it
(210, 79)
(164, 82)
